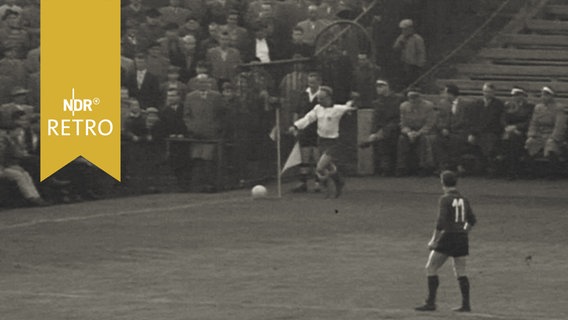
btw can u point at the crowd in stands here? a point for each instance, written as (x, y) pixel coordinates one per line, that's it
(199, 71)
(468, 135)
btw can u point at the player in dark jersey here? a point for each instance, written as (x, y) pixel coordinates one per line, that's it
(450, 239)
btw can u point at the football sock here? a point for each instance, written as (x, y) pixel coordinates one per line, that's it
(464, 288)
(433, 282)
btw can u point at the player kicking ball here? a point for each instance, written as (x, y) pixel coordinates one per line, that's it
(450, 239)
(327, 116)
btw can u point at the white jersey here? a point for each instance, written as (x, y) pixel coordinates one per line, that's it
(327, 118)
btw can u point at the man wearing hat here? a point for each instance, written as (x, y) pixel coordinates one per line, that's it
(516, 117)
(547, 129)
(417, 119)
(412, 52)
(385, 127)
(18, 103)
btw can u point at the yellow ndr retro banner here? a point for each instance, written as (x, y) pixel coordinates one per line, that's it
(80, 84)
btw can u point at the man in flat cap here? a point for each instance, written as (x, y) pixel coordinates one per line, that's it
(515, 119)
(412, 51)
(417, 119)
(547, 130)
(385, 127)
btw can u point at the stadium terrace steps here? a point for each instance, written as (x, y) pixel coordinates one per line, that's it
(533, 40)
(531, 52)
(504, 87)
(547, 26)
(496, 54)
(556, 11)
(488, 69)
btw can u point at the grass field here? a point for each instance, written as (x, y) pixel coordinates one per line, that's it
(225, 256)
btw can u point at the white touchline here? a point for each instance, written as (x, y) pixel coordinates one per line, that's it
(120, 213)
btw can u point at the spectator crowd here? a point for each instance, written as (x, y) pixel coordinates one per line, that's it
(195, 72)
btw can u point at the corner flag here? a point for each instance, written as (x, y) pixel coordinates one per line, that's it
(294, 159)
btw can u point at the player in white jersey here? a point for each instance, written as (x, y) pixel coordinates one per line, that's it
(327, 116)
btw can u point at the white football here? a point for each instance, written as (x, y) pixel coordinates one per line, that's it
(258, 192)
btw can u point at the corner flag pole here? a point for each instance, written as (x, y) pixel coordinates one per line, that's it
(278, 153)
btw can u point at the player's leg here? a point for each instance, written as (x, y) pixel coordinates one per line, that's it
(435, 261)
(335, 175)
(305, 169)
(324, 169)
(315, 155)
(460, 272)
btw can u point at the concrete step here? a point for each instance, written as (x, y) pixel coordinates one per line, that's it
(513, 72)
(519, 54)
(547, 26)
(558, 11)
(504, 87)
(533, 41)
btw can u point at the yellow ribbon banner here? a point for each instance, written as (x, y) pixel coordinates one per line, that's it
(80, 84)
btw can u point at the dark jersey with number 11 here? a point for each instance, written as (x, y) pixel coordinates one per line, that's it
(455, 212)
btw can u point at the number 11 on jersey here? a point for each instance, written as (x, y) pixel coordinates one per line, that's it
(458, 204)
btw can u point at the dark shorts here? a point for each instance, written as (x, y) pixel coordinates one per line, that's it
(453, 244)
(329, 147)
(308, 137)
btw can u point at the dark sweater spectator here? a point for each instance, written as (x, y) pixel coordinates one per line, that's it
(143, 85)
(223, 59)
(364, 76)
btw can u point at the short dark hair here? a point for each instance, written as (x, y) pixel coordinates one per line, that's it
(452, 89)
(449, 178)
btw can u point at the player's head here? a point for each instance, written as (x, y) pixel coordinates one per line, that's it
(325, 96)
(488, 90)
(449, 179)
(314, 80)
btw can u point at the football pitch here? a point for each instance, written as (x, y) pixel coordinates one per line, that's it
(225, 256)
